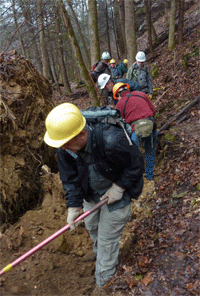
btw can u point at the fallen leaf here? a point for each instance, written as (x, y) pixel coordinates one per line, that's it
(147, 279)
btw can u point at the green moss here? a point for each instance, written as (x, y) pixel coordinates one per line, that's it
(138, 277)
(140, 11)
(169, 137)
(195, 51)
(185, 64)
(154, 71)
(156, 116)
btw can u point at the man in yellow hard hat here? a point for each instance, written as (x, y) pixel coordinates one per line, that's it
(122, 67)
(89, 176)
(115, 72)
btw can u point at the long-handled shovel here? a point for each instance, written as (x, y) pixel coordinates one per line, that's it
(50, 238)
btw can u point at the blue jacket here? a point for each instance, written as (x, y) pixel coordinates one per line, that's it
(115, 72)
(132, 84)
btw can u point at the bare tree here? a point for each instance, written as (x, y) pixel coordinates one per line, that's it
(107, 29)
(86, 51)
(181, 21)
(32, 47)
(130, 30)
(119, 26)
(16, 26)
(147, 5)
(93, 31)
(43, 49)
(61, 57)
(79, 58)
(171, 39)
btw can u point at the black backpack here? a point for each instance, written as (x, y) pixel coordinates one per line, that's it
(97, 116)
(106, 114)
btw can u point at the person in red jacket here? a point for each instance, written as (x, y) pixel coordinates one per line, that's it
(134, 106)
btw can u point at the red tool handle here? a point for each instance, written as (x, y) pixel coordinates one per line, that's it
(50, 238)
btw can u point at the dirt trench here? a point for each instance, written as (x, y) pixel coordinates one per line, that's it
(59, 268)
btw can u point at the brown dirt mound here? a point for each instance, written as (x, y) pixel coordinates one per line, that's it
(25, 100)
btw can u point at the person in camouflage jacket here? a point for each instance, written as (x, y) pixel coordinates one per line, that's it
(139, 72)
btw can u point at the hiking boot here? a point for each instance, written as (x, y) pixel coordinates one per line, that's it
(90, 257)
(99, 291)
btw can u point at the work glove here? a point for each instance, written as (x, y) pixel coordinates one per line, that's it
(150, 96)
(73, 213)
(114, 194)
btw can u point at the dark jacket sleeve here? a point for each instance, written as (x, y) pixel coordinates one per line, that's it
(132, 84)
(73, 175)
(128, 159)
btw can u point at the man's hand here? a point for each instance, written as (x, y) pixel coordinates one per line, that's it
(73, 213)
(114, 194)
(150, 96)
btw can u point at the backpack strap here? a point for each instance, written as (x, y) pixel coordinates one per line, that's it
(127, 102)
(128, 96)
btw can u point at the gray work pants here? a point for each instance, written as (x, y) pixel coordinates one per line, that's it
(105, 229)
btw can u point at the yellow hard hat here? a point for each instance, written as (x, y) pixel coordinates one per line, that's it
(125, 61)
(112, 61)
(63, 123)
(119, 86)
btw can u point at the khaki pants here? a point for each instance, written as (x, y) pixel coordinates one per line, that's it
(105, 229)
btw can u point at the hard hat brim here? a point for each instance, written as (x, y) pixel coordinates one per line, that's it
(59, 143)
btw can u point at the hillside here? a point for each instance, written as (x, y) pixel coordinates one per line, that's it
(160, 247)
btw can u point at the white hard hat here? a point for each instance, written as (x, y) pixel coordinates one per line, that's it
(105, 56)
(140, 56)
(103, 79)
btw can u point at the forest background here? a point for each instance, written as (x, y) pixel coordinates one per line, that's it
(63, 39)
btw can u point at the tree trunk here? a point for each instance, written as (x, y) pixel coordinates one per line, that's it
(120, 35)
(61, 62)
(122, 18)
(34, 47)
(154, 34)
(16, 26)
(131, 42)
(45, 67)
(108, 31)
(166, 16)
(86, 51)
(147, 4)
(93, 31)
(181, 21)
(84, 72)
(53, 64)
(171, 40)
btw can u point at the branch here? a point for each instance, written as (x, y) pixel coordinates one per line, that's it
(166, 125)
(155, 103)
(17, 29)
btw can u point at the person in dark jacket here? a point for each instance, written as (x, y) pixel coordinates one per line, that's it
(133, 106)
(122, 67)
(106, 82)
(102, 66)
(88, 178)
(115, 72)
